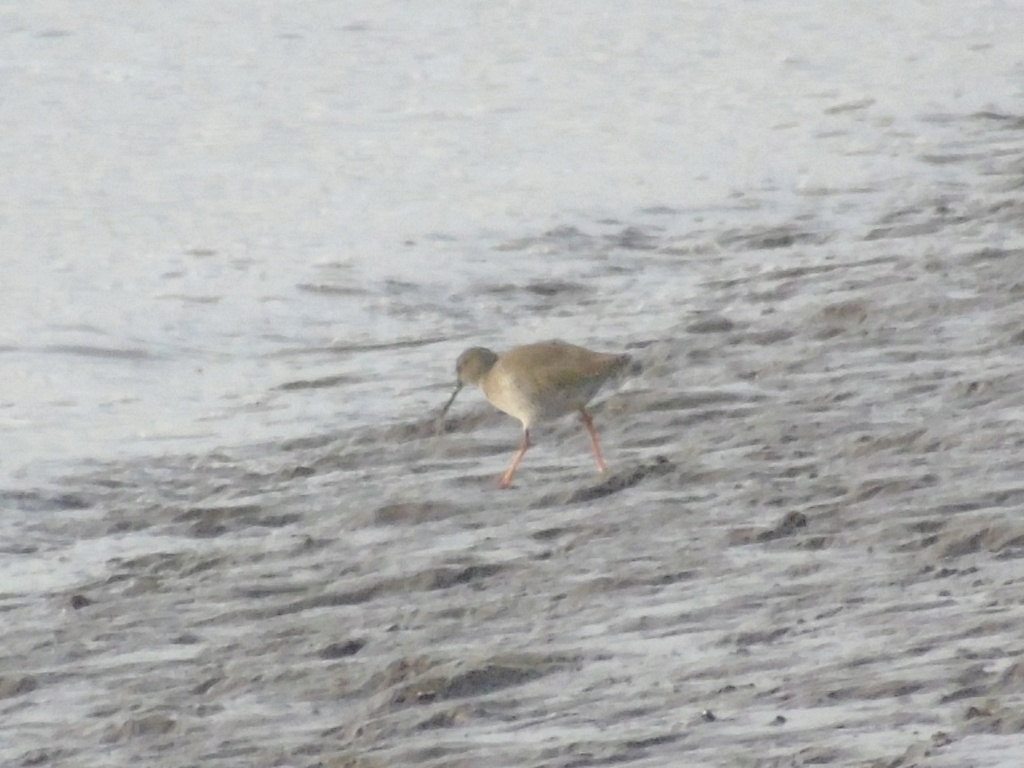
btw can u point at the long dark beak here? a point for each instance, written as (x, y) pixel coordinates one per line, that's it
(444, 411)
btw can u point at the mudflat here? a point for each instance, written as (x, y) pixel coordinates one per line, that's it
(807, 550)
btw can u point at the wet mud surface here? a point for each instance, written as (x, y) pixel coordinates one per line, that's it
(808, 549)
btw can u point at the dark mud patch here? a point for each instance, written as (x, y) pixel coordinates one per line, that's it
(216, 521)
(615, 482)
(711, 325)
(790, 524)
(414, 512)
(770, 238)
(325, 382)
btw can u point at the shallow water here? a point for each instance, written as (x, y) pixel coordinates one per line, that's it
(205, 204)
(245, 249)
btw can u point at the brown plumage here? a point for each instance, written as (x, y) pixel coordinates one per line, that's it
(538, 382)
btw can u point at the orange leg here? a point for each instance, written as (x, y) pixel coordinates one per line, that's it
(589, 424)
(506, 479)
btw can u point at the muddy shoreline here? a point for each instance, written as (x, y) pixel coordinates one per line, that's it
(807, 551)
